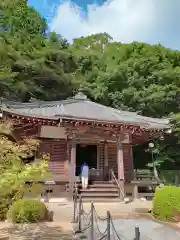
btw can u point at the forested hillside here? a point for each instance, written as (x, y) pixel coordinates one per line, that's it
(35, 63)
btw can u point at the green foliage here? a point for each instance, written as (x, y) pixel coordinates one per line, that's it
(28, 210)
(6, 200)
(30, 62)
(134, 76)
(14, 172)
(165, 202)
(166, 152)
(137, 76)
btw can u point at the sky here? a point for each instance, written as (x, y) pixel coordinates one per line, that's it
(151, 21)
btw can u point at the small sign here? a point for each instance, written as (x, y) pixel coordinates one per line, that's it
(50, 182)
(53, 132)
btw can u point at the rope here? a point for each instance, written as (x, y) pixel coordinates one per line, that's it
(86, 220)
(82, 208)
(100, 218)
(113, 227)
(102, 234)
(102, 237)
(87, 228)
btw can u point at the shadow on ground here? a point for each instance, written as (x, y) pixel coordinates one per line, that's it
(42, 231)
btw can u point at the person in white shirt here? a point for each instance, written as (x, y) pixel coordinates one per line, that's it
(84, 175)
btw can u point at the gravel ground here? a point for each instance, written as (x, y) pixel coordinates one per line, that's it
(128, 216)
(61, 228)
(42, 231)
(148, 230)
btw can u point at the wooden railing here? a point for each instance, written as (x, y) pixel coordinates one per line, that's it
(96, 174)
(114, 179)
(143, 174)
(170, 176)
(165, 176)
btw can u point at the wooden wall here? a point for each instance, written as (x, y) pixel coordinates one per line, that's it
(58, 164)
(60, 155)
(60, 151)
(112, 159)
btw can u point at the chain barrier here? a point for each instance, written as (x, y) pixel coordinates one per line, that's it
(90, 221)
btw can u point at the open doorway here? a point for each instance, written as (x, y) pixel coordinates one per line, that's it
(85, 153)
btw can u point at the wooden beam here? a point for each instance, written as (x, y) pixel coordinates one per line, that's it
(72, 164)
(105, 154)
(120, 164)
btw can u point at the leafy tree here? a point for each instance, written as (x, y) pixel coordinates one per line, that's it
(30, 62)
(35, 63)
(14, 172)
(134, 76)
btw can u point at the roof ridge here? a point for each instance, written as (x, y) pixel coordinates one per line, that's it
(38, 104)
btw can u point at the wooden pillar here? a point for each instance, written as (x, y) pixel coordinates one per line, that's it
(72, 164)
(105, 154)
(120, 164)
(132, 162)
(106, 170)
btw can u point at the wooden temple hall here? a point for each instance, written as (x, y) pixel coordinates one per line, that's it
(77, 130)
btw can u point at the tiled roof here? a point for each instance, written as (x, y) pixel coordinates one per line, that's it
(82, 108)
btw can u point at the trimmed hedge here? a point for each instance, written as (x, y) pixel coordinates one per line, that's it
(28, 210)
(166, 203)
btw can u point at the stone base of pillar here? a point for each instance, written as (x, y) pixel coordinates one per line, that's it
(122, 192)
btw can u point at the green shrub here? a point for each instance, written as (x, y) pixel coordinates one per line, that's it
(28, 210)
(166, 202)
(3, 209)
(6, 201)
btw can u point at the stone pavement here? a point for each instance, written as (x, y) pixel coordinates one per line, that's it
(63, 210)
(42, 231)
(149, 230)
(59, 229)
(126, 217)
(121, 209)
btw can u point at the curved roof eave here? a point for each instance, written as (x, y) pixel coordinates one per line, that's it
(140, 124)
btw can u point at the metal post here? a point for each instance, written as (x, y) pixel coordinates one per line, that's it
(92, 222)
(75, 207)
(108, 226)
(79, 215)
(137, 233)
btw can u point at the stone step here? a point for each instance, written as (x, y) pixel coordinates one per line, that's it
(97, 187)
(92, 189)
(101, 199)
(95, 182)
(109, 185)
(99, 194)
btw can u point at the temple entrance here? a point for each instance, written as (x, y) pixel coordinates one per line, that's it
(85, 153)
